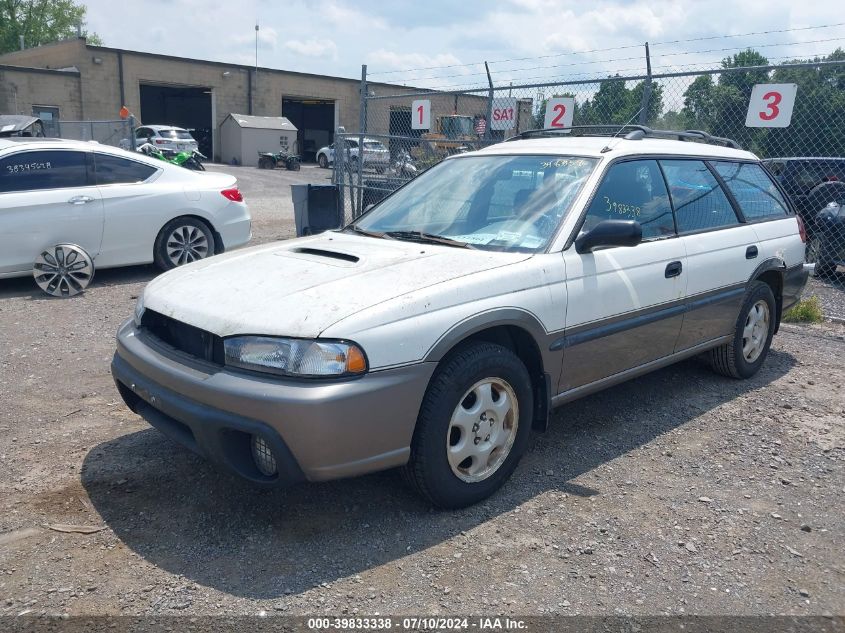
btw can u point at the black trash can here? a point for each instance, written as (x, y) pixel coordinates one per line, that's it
(315, 208)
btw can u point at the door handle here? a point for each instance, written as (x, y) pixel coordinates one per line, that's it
(81, 200)
(673, 269)
(751, 252)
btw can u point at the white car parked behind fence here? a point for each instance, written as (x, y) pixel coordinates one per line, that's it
(68, 206)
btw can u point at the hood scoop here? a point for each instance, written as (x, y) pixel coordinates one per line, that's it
(320, 252)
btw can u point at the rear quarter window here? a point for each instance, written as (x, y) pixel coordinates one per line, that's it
(753, 189)
(112, 170)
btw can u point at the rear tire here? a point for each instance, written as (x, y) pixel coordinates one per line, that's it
(474, 425)
(755, 327)
(182, 241)
(265, 163)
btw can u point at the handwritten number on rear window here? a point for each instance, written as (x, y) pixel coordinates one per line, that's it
(24, 167)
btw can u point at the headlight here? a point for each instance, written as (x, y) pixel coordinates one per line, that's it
(294, 357)
(139, 310)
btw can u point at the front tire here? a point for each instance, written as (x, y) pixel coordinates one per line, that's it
(473, 427)
(182, 241)
(755, 327)
(323, 161)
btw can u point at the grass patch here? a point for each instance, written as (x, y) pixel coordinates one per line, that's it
(805, 311)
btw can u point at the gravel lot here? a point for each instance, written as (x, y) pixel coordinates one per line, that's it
(682, 492)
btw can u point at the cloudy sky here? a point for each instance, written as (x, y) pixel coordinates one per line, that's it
(545, 39)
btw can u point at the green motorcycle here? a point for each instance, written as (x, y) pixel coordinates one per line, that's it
(188, 160)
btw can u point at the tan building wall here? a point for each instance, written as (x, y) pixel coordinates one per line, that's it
(22, 88)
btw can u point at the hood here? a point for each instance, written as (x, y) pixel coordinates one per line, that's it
(301, 287)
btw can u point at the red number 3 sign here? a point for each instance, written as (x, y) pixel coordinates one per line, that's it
(771, 105)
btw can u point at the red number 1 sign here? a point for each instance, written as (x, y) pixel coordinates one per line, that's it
(420, 114)
(771, 105)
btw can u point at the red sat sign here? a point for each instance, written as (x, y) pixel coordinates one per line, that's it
(504, 113)
(771, 105)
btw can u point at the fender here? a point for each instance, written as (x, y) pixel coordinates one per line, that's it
(778, 265)
(772, 263)
(525, 320)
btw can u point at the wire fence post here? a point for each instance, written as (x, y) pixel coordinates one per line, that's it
(489, 103)
(362, 131)
(132, 122)
(646, 89)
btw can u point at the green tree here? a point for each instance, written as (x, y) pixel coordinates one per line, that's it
(40, 22)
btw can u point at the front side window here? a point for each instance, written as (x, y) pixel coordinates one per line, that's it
(753, 189)
(699, 201)
(27, 171)
(506, 203)
(633, 190)
(112, 170)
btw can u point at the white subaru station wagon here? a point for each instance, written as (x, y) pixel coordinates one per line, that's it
(437, 330)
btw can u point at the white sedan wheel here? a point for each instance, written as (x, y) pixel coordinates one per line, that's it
(63, 270)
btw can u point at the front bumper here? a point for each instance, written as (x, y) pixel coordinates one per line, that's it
(317, 430)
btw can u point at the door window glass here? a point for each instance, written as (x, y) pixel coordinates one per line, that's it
(756, 194)
(112, 170)
(26, 171)
(699, 201)
(633, 190)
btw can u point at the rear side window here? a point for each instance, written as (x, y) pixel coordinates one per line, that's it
(27, 171)
(757, 195)
(633, 190)
(112, 170)
(699, 201)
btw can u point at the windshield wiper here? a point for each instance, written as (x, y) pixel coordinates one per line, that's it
(426, 238)
(360, 231)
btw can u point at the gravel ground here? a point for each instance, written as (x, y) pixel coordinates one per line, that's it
(831, 294)
(680, 492)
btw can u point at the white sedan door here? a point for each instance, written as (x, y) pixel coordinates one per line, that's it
(46, 199)
(133, 209)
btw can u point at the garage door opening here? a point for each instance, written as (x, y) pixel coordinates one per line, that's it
(189, 108)
(314, 118)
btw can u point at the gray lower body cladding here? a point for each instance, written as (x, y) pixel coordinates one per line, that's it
(318, 430)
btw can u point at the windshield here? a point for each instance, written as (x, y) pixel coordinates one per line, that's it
(178, 134)
(506, 203)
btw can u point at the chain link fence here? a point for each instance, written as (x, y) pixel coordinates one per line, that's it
(806, 155)
(117, 133)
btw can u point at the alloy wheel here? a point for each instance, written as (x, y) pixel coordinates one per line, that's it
(756, 331)
(482, 430)
(63, 270)
(186, 244)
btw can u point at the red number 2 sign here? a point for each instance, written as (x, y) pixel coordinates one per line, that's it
(771, 105)
(559, 111)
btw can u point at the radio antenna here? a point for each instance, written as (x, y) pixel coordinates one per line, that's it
(607, 147)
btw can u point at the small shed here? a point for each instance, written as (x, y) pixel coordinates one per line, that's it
(243, 136)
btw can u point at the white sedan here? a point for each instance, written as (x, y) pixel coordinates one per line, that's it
(68, 206)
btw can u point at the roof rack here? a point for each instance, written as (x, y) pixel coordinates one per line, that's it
(631, 133)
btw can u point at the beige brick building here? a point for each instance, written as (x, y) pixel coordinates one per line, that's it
(74, 81)
(85, 82)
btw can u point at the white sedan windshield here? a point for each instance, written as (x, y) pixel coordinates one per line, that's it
(509, 203)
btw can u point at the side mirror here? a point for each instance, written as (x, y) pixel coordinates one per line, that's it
(610, 233)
